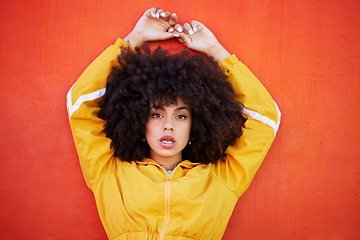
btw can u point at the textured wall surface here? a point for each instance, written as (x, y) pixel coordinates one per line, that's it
(307, 54)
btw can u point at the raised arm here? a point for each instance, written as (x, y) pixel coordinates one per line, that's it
(262, 114)
(95, 153)
(263, 119)
(154, 25)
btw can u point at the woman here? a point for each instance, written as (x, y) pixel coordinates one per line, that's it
(161, 148)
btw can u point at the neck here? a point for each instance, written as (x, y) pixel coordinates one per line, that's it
(168, 163)
(168, 168)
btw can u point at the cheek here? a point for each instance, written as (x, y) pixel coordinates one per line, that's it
(151, 130)
(148, 129)
(185, 131)
(188, 128)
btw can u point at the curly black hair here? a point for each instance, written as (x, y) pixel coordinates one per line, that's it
(145, 77)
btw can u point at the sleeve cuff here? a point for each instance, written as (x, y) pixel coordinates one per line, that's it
(121, 43)
(227, 63)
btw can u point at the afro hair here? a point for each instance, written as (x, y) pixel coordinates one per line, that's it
(144, 78)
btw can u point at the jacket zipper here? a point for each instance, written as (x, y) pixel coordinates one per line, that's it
(167, 207)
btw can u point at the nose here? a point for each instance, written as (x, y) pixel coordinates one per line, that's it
(168, 125)
(168, 128)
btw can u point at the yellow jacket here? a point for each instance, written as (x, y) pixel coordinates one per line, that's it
(139, 200)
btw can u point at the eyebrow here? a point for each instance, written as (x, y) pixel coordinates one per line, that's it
(181, 108)
(177, 109)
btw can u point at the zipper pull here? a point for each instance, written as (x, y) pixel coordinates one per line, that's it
(168, 177)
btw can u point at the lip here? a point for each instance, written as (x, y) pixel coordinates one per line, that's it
(167, 141)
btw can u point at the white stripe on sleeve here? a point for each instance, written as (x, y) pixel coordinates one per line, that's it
(263, 118)
(88, 97)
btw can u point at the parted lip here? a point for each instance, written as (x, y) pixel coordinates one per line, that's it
(167, 138)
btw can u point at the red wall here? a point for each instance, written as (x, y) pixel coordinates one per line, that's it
(306, 52)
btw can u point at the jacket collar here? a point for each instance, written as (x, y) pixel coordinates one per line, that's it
(180, 170)
(184, 163)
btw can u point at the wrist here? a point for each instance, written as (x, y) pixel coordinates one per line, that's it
(134, 39)
(218, 53)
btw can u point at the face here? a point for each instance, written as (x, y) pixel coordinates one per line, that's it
(168, 131)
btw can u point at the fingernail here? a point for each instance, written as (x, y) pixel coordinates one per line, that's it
(176, 35)
(174, 14)
(179, 29)
(162, 14)
(194, 29)
(171, 30)
(157, 15)
(191, 32)
(153, 14)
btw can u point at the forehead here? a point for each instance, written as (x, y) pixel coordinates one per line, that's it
(163, 104)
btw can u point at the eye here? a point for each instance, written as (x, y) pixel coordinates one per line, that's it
(156, 115)
(181, 117)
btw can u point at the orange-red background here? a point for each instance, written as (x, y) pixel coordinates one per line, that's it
(306, 52)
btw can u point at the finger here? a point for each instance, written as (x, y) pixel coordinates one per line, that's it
(183, 38)
(196, 26)
(165, 15)
(171, 30)
(158, 13)
(188, 28)
(179, 28)
(173, 19)
(152, 11)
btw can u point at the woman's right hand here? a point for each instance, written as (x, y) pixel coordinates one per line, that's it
(154, 25)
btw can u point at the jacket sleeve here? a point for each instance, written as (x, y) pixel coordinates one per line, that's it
(263, 118)
(95, 154)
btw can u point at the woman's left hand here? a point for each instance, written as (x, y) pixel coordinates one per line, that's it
(196, 36)
(154, 25)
